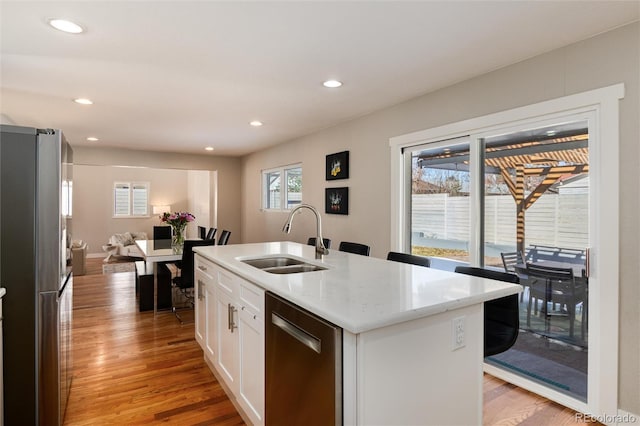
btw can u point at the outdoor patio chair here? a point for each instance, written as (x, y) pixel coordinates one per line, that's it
(509, 261)
(557, 285)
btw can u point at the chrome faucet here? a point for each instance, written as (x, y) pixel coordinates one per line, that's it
(320, 248)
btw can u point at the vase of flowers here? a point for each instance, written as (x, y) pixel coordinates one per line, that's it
(178, 222)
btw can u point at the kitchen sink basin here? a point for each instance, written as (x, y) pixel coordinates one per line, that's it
(294, 269)
(282, 265)
(272, 262)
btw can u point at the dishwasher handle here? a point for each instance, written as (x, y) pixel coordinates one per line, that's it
(296, 332)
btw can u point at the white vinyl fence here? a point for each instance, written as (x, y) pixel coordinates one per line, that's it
(559, 220)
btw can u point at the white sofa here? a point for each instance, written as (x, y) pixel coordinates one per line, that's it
(124, 245)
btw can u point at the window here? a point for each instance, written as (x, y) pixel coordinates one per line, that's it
(130, 199)
(277, 196)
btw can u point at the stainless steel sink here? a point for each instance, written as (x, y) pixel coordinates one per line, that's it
(294, 269)
(282, 265)
(272, 262)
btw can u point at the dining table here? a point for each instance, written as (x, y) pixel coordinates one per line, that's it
(156, 252)
(579, 269)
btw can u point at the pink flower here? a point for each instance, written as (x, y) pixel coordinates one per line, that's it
(177, 219)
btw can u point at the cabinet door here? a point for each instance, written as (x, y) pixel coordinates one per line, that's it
(200, 311)
(227, 335)
(251, 380)
(210, 340)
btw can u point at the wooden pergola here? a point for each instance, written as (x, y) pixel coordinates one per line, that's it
(551, 158)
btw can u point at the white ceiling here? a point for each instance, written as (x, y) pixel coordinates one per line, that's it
(179, 75)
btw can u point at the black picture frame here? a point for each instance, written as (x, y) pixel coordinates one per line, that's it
(336, 200)
(337, 166)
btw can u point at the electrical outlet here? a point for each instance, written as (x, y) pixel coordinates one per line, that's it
(458, 325)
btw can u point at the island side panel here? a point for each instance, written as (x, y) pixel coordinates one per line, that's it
(409, 373)
(349, 378)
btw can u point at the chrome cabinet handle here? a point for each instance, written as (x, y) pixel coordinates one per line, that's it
(200, 285)
(202, 268)
(231, 323)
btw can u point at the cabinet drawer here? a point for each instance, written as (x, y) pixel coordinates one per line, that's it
(227, 282)
(206, 267)
(252, 297)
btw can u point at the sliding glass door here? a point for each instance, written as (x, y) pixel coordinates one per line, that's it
(512, 191)
(440, 202)
(536, 214)
(527, 190)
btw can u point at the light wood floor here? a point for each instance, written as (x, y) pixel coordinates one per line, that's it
(132, 369)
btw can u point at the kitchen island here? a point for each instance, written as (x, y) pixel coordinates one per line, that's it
(412, 336)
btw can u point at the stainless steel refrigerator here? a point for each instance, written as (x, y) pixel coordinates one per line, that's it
(35, 210)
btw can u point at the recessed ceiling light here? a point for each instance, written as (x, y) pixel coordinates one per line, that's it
(551, 132)
(92, 139)
(66, 26)
(209, 148)
(332, 84)
(256, 123)
(83, 101)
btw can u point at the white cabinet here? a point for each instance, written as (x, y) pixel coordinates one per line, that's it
(205, 286)
(226, 327)
(251, 352)
(210, 329)
(230, 330)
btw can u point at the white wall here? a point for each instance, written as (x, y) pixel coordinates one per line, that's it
(200, 200)
(93, 201)
(601, 61)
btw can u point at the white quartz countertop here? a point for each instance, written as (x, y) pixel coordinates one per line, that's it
(359, 293)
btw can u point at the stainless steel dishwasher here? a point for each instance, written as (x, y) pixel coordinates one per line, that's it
(303, 366)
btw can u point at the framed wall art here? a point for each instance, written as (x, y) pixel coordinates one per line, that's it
(337, 166)
(336, 200)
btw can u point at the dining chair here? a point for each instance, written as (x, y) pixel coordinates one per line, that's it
(409, 258)
(501, 316)
(184, 282)
(211, 234)
(202, 232)
(355, 248)
(509, 261)
(162, 237)
(224, 237)
(557, 285)
(161, 233)
(326, 241)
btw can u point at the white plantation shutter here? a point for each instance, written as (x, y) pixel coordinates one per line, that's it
(130, 199)
(121, 199)
(140, 195)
